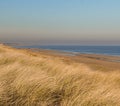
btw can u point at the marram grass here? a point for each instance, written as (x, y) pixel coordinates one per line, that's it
(41, 80)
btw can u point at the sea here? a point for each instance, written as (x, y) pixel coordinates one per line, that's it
(105, 50)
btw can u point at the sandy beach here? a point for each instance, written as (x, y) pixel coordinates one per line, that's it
(94, 61)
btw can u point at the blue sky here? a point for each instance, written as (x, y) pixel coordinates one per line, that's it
(60, 21)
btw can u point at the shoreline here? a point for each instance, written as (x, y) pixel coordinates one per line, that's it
(67, 53)
(94, 61)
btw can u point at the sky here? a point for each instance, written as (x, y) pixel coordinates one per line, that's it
(81, 22)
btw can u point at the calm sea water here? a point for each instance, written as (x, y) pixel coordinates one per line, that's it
(106, 50)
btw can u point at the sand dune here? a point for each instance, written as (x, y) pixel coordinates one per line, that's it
(38, 79)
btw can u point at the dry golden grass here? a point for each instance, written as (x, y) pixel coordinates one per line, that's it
(41, 80)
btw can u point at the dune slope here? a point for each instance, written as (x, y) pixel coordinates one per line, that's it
(31, 79)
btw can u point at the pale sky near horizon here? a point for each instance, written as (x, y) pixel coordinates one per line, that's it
(60, 21)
